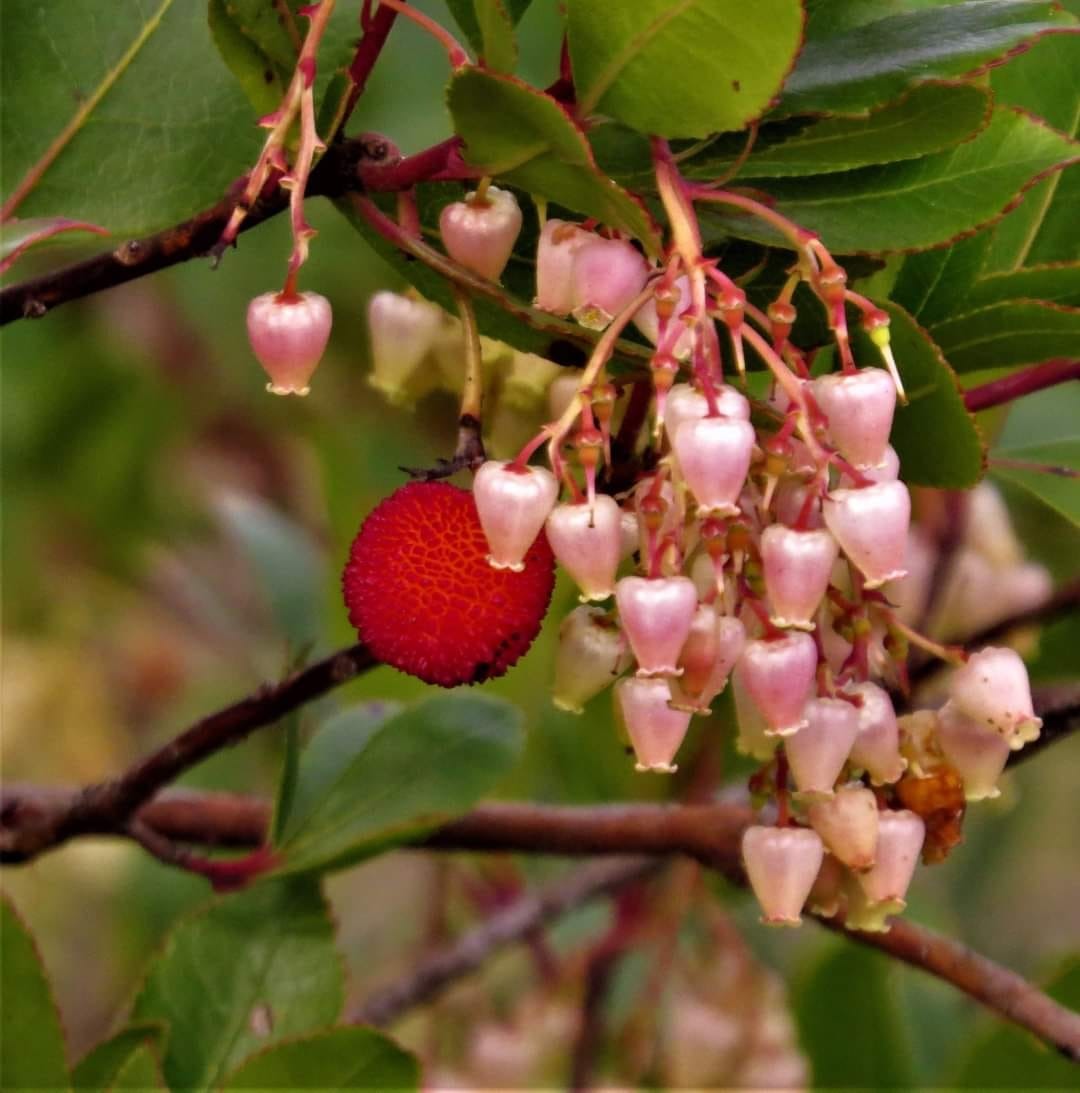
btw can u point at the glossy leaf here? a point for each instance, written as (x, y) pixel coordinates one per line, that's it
(147, 124)
(935, 284)
(931, 117)
(262, 79)
(1057, 486)
(473, 15)
(99, 1067)
(1011, 333)
(246, 971)
(417, 770)
(140, 1072)
(922, 202)
(519, 134)
(499, 49)
(1058, 284)
(851, 1024)
(850, 69)
(31, 1040)
(732, 58)
(340, 1058)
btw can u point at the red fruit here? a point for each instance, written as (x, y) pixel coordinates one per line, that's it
(423, 597)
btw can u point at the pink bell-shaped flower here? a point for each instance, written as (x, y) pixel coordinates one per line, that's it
(480, 232)
(683, 403)
(818, 751)
(859, 407)
(713, 646)
(714, 457)
(590, 655)
(797, 566)
(402, 331)
(587, 541)
(877, 742)
(790, 504)
(560, 240)
(288, 335)
(654, 728)
(888, 470)
(605, 276)
(656, 616)
(648, 322)
(732, 403)
(777, 676)
(871, 526)
(899, 843)
(848, 824)
(976, 753)
(512, 504)
(992, 688)
(781, 865)
(827, 895)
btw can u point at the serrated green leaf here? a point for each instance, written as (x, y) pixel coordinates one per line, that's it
(417, 770)
(626, 54)
(147, 123)
(140, 1072)
(517, 133)
(31, 1040)
(261, 79)
(923, 202)
(1011, 333)
(1057, 486)
(1058, 284)
(499, 50)
(1007, 1057)
(929, 118)
(467, 15)
(857, 67)
(339, 739)
(935, 284)
(340, 1058)
(851, 1025)
(99, 1067)
(248, 970)
(936, 438)
(288, 564)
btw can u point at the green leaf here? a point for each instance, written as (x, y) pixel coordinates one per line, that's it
(1058, 486)
(247, 971)
(935, 284)
(1059, 284)
(339, 739)
(851, 1023)
(285, 797)
(288, 564)
(140, 1072)
(471, 16)
(100, 1066)
(855, 67)
(681, 68)
(517, 133)
(935, 436)
(923, 202)
(31, 1040)
(417, 770)
(1006, 1057)
(499, 48)
(125, 110)
(263, 80)
(929, 118)
(340, 1058)
(1011, 333)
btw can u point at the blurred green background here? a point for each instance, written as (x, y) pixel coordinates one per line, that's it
(167, 526)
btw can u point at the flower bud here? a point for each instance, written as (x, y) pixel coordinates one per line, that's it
(605, 276)
(871, 526)
(900, 839)
(403, 331)
(992, 688)
(781, 864)
(790, 502)
(877, 742)
(818, 751)
(655, 729)
(590, 655)
(512, 504)
(848, 825)
(778, 676)
(288, 335)
(713, 646)
(859, 407)
(888, 470)
(976, 753)
(797, 566)
(648, 321)
(656, 616)
(559, 242)
(587, 541)
(683, 403)
(479, 233)
(714, 457)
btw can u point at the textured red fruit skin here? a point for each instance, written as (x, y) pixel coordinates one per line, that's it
(423, 597)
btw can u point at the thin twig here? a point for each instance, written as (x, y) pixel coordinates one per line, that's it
(1026, 381)
(508, 926)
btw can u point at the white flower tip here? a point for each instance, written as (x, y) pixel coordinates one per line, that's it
(514, 567)
(280, 389)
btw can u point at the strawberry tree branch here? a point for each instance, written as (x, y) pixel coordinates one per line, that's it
(1017, 384)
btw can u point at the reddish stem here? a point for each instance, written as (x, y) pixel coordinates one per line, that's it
(1024, 382)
